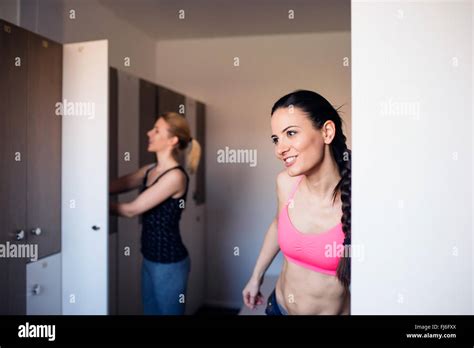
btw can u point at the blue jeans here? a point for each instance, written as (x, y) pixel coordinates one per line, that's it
(164, 287)
(273, 307)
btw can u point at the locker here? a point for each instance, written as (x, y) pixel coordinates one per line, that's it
(128, 264)
(113, 174)
(124, 126)
(35, 197)
(13, 116)
(113, 274)
(43, 286)
(113, 138)
(148, 112)
(44, 144)
(200, 192)
(30, 145)
(170, 101)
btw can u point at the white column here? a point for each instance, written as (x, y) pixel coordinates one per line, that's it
(412, 157)
(85, 178)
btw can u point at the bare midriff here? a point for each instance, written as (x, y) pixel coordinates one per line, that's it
(301, 291)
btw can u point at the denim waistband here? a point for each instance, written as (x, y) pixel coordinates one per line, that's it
(282, 310)
(273, 307)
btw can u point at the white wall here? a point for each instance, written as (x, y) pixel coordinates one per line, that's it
(94, 21)
(472, 164)
(412, 167)
(9, 11)
(241, 200)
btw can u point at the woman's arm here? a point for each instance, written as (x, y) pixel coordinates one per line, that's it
(270, 248)
(128, 182)
(167, 186)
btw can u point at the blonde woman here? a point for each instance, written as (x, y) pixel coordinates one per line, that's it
(164, 187)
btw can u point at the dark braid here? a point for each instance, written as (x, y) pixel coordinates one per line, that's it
(343, 159)
(319, 110)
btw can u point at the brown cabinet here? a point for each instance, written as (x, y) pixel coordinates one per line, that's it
(148, 113)
(170, 101)
(30, 156)
(13, 130)
(44, 145)
(113, 139)
(200, 192)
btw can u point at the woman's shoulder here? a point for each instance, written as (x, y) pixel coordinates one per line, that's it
(179, 173)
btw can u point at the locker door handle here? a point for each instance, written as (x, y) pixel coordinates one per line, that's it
(95, 228)
(36, 289)
(36, 231)
(20, 235)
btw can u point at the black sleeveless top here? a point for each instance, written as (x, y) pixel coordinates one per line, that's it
(161, 238)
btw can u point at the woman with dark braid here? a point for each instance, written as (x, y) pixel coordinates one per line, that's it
(313, 223)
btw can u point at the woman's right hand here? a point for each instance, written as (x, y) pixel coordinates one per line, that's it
(251, 293)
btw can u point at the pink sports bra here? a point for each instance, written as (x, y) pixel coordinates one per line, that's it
(308, 249)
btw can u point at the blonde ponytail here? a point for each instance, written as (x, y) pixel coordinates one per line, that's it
(194, 156)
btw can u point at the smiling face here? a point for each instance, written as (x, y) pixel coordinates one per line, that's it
(298, 144)
(159, 138)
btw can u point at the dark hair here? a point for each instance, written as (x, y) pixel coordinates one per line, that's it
(319, 110)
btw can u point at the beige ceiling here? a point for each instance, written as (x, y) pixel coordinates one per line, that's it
(222, 18)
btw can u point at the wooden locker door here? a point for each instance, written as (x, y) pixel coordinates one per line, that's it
(148, 113)
(128, 237)
(170, 101)
(200, 193)
(44, 145)
(113, 174)
(113, 139)
(13, 162)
